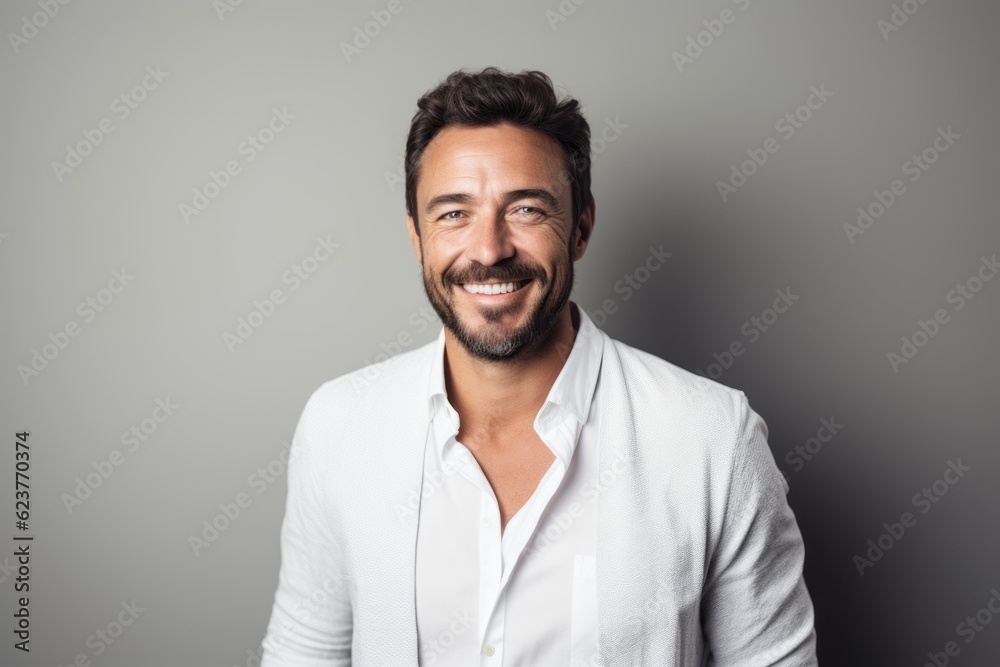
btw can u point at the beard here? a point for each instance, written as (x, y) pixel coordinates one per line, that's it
(492, 341)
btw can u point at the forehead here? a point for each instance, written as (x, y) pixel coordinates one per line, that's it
(474, 157)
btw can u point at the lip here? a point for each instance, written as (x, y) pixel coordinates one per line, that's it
(496, 298)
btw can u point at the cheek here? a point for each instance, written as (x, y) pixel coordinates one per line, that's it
(552, 245)
(438, 265)
(444, 248)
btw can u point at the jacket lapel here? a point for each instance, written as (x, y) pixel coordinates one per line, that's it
(624, 555)
(386, 627)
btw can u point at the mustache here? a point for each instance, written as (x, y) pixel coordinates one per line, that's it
(505, 274)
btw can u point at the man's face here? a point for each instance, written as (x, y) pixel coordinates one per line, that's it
(494, 208)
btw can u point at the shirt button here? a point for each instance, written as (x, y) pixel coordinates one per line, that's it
(489, 650)
(487, 522)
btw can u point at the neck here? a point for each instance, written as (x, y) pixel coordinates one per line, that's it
(491, 395)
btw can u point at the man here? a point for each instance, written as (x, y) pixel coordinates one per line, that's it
(526, 490)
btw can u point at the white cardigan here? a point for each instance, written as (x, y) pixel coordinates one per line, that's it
(699, 557)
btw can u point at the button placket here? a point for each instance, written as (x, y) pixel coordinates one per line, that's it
(494, 639)
(490, 566)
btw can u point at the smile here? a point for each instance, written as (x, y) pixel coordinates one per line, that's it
(495, 288)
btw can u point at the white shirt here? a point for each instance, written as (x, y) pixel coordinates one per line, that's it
(698, 558)
(528, 597)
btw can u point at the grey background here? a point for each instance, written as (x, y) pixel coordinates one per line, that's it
(326, 175)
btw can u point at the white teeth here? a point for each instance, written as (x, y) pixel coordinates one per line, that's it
(497, 288)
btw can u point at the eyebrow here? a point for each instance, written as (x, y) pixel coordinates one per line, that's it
(464, 199)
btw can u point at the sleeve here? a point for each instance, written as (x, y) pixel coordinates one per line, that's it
(311, 621)
(756, 610)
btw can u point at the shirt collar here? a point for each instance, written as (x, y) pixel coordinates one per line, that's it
(572, 391)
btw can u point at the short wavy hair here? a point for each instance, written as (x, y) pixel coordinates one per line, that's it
(490, 97)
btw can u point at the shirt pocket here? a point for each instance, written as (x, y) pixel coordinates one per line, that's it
(583, 630)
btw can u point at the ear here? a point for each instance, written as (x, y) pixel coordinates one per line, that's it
(414, 239)
(584, 230)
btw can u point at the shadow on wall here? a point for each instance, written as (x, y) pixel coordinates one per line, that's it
(717, 309)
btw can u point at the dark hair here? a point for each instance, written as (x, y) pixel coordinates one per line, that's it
(491, 97)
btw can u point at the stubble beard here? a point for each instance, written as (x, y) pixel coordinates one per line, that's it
(489, 343)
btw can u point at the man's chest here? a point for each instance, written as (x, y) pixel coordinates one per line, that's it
(531, 587)
(513, 464)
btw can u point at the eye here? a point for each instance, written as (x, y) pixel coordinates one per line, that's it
(449, 213)
(530, 211)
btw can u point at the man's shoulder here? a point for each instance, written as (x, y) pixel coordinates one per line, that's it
(385, 380)
(647, 377)
(687, 422)
(652, 377)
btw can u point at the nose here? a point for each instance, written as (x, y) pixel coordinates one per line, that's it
(490, 241)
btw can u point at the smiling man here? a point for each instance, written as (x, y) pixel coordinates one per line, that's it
(526, 490)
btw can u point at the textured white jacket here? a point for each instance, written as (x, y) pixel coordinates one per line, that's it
(699, 557)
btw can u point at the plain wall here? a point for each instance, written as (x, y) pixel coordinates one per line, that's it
(334, 172)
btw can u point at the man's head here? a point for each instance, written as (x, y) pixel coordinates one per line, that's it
(498, 190)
